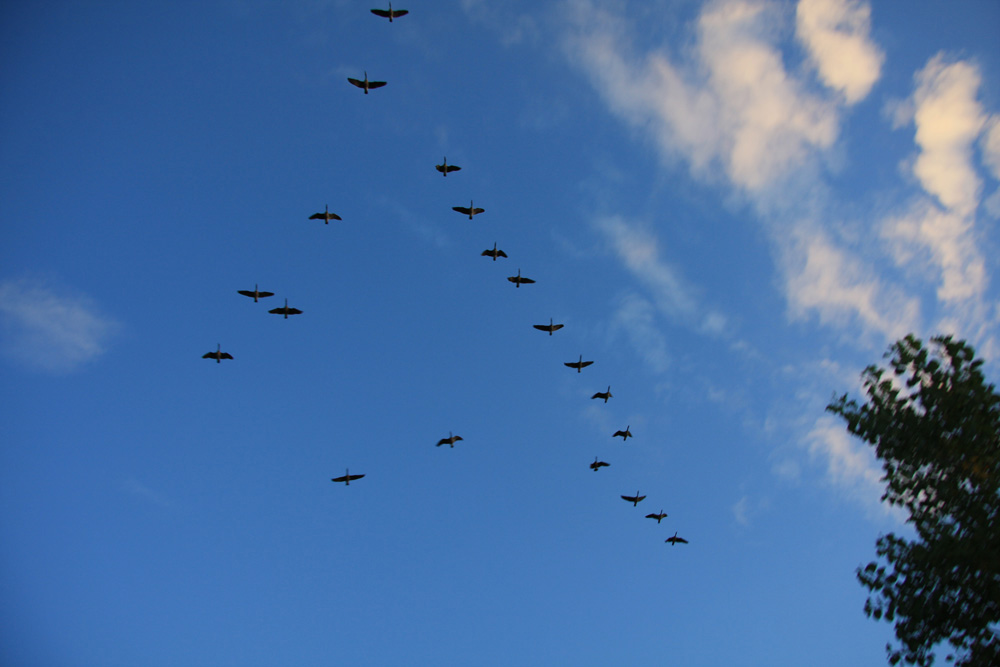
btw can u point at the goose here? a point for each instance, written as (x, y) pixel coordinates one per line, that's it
(366, 85)
(548, 327)
(256, 294)
(603, 394)
(285, 310)
(390, 13)
(470, 211)
(348, 478)
(493, 253)
(578, 365)
(674, 540)
(325, 215)
(626, 434)
(597, 465)
(450, 440)
(444, 167)
(518, 280)
(659, 517)
(635, 500)
(218, 355)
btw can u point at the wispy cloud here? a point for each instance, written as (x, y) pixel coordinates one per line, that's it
(836, 35)
(48, 330)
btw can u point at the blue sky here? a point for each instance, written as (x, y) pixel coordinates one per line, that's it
(733, 206)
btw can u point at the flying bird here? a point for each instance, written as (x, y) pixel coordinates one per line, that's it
(390, 13)
(674, 540)
(659, 517)
(218, 355)
(603, 394)
(285, 310)
(626, 434)
(470, 211)
(450, 440)
(347, 479)
(444, 167)
(578, 365)
(548, 327)
(325, 215)
(256, 294)
(494, 253)
(518, 280)
(366, 85)
(635, 500)
(597, 465)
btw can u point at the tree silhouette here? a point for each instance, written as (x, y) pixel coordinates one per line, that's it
(935, 425)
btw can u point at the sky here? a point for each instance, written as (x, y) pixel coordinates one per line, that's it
(733, 206)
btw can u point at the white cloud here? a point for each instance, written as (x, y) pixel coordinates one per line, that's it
(851, 465)
(50, 331)
(636, 317)
(948, 119)
(826, 279)
(835, 32)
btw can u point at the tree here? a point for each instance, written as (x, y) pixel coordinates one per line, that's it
(935, 426)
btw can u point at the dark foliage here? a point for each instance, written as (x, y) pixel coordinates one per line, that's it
(935, 425)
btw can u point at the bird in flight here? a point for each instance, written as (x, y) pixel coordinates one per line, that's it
(366, 85)
(659, 517)
(635, 500)
(325, 215)
(626, 434)
(674, 540)
(285, 310)
(347, 479)
(218, 355)
(493, 253)
(603, 394)
(470, 211)
(548, 327)
(597, 465)
(518, 280)
(390, 13)
(578, 365)
(450, 440)
(444, 167)
(256, 294)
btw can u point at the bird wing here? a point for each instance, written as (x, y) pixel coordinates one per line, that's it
(618, 433)
(526, 280)
(489, 253)
(557, 327)
(264, 294)
(226, 355)
(452, 167)
(294, 311)
(376, 84)
(461, 209)
(501, 253)
(477, 211)
(443, 441)
(440, 167)
(383, 13)
(640, 498)
(584, 364)
(322, 216)
(354, 477)
(598, 395)
(400, 12)
(631, 499)
(542, 327)
(278, 311)
(572, 364)
(356, 82)
(209, 355)
(245, 292)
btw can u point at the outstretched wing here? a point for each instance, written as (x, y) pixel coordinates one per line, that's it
(542, 327)
(477, 211)
(357, 82)
(246, 292)
(557, 327)
(383, 13)
(293, 311)
(452, 167)
(225, 355)
(352, 477)
(376, 84)
(209, 355)
(631, 499)
(400, 12)
(523, 280)
(277, 311)
(599, 394)
(465, 210)
(264, 294)
(584, 364)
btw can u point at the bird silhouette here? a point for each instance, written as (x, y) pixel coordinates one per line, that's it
(470, 211)
(597, 465)
(578, 365)
(674, 540)
(450, 440)
(635, 500)
(285, 310)
(347, 479)
(218, 355)
(518, 280)
(603, 394)
(548, 327)
(626, 434)
(390, 13)
(325, 215)
(366, 85)
(445, 168)
(494, 253)
(255, 293)
(659, 517)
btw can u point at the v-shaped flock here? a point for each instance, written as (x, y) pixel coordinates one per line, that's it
(365, 84)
